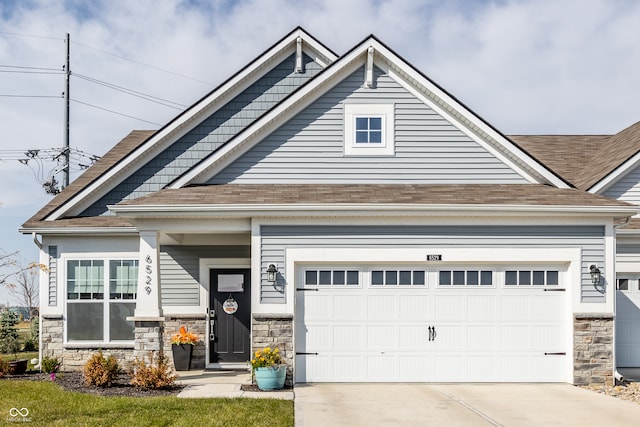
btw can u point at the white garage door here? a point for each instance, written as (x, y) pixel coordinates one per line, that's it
(415, 325)
(627, 321)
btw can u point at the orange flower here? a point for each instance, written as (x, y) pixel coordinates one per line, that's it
(184, 337)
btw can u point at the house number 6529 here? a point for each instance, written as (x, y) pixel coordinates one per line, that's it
(149, 270)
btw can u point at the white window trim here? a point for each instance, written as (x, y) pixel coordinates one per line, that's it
(386, 112)
(105, 301)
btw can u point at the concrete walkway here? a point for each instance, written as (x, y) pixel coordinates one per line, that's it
(202, 384)
(459, 405)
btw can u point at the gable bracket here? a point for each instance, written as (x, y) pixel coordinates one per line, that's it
(299, 68)
(368, 78)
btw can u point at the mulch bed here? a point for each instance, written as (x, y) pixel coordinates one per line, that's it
(73, 381)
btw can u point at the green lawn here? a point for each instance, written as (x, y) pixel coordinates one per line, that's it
(49, 405)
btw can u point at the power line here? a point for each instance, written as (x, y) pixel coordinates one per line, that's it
(31, 96)
(31, 72)
(115, 112)
(32, 68)
(132, 92)
(146, 65)
(30, 36)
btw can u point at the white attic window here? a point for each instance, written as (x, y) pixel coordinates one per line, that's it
(369, 130)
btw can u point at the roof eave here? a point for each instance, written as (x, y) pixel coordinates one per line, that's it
(358, 209)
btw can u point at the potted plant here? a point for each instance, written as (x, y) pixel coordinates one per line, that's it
(181, 346)
(268, 369)
(10, 342)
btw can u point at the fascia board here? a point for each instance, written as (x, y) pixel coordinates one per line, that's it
(610, 179)
(455, 111)
(187, 120)
(133, 211)
(79, 230)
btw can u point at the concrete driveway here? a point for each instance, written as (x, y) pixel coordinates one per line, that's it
(458, 405)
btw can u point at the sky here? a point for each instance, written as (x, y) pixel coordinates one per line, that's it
(527, 67)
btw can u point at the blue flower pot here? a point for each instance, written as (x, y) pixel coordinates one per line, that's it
(271, 378)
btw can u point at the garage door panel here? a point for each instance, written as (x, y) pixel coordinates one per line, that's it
(482, 338)
(450, 338)
(415, 368)
(349, 337)
(544, 338)
(413, 337)
(482, 307)
(316, 307)
(515, 308)
(382, 368)
(627, 330)
(382, 334)
(382, 307)
(348, 307)
(450, 307)
(415, 307)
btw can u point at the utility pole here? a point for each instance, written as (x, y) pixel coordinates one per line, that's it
(67, 69)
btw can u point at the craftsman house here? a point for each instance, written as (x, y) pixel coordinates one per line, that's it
(355, 214)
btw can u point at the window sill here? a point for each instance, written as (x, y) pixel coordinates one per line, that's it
(98, 346)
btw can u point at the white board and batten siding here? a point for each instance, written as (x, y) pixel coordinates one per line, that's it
(309, 148)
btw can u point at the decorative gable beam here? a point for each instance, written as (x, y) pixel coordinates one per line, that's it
(299, 68)
(368, 78)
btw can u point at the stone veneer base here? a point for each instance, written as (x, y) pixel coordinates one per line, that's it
(275, 330)
(593, 349)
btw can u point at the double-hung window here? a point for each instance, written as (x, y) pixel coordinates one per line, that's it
(369, 129)
(101, 294)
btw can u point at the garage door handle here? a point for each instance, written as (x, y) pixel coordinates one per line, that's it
(306, 354)
(307, 289)
(555, 354)
(554, 290)
(432, 333)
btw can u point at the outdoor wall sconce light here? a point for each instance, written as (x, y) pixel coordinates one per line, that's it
(595, 274)
(272, 271)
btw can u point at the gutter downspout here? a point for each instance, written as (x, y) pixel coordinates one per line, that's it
(35, 240)
(39, 245)
(617, 376)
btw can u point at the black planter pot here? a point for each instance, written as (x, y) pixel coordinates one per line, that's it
(18, 367)
(181, 356)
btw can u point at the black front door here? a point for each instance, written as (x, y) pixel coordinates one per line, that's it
(230, 300)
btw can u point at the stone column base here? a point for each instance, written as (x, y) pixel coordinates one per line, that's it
(593, 349)
(275, 330)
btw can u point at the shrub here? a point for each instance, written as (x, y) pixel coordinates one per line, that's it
(50, 365)
(4, 367)
(156, 375)
(101, 371)
(30, 345)
(32, 341)
(9, 339)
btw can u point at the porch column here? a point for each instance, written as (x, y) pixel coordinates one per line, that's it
(149, 298)
(147, 318)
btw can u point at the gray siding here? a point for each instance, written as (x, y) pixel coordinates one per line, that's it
(309, 147)
(53, 274)
(627, 248)
(627, 188)
(180, 270)
(275, 239)
(211, 134)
